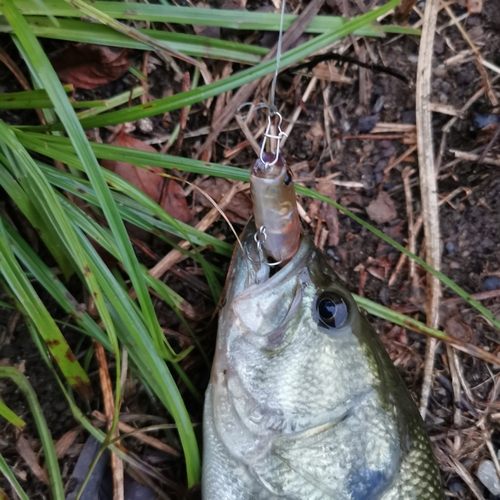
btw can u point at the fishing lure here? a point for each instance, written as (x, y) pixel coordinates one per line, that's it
(275, 207)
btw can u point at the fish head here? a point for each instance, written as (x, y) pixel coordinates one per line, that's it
(290, 351)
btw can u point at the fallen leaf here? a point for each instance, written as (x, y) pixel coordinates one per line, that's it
(377, 272)
(239, 209)
(175, 202)
(396, 344)
(475, 6)
(315, 134)
(89, 66)
(455, 327)
(65, 441)
(24, 449)
(150, 181)
(382, 209)
(452, 322)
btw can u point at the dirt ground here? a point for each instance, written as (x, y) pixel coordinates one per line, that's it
(338, 138)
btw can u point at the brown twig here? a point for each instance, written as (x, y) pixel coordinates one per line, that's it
(428, 186)
(463, 155)
(490, 144)
(109, 408)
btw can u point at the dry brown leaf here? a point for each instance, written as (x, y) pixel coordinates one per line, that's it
(396, 344)
(150, 181)
(382, 209)
(26, 451)
(64, 442)
(475, 6)
(315, 134)
(377, 272)
(89, 66)
(452, 323)
(239, 209)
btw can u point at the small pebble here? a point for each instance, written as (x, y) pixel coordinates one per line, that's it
(450, 247)
(481, 121)
(331, 253)
(384, 295)
(488, 476)
(491, 283)
(455, 486)
(366, 123)
(145, 125)
(439, 72)
(446, 86)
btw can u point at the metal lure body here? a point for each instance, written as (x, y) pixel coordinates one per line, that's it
(275, 207)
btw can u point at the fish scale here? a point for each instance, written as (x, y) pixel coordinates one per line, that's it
(297, 409)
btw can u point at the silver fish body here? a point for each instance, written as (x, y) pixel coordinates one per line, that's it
(303, 401)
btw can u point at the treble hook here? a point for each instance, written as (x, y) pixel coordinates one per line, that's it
(260, 237)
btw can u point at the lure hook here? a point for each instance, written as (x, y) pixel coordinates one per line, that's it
(260, 237)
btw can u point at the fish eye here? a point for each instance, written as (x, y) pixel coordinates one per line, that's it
(288, 178)
(332, 310)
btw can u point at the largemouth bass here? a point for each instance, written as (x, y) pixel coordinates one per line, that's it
(304, 402)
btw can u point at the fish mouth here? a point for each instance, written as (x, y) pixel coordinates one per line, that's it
(261, 272)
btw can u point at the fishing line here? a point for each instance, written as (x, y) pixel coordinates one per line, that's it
(278, 58)
(271, 107)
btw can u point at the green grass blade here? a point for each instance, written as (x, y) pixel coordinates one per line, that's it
(30, 99)
(53, 470)
(399, 319)
(235, 19)
(36, 99)
(191, 45)
(57, 219)
(88, 326)
(44, 275)
(105, 239)
(112, 102)
(34, 308)
(10, 416)
(205, 92)
(12, 479)
(34, 211)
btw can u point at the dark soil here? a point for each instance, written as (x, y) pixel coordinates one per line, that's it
(469, 232)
